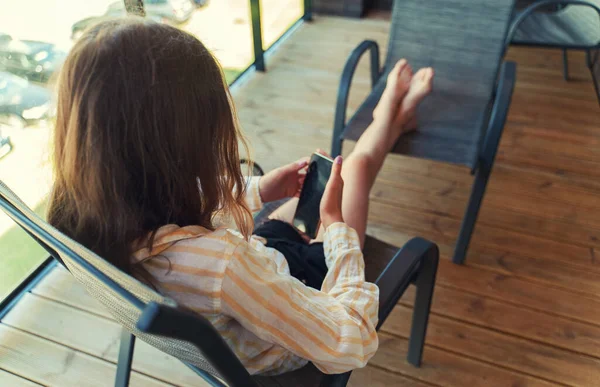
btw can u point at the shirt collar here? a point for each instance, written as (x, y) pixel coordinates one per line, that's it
(165, 237)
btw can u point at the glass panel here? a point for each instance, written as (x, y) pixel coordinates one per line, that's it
(277, 17)
(222, 25)
(31, 53)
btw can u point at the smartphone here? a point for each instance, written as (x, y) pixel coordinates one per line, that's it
(307, 218)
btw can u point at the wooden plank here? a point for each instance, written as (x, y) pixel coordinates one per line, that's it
(554, 274)
(8, 379)
(545, 362)
(565, 166)
(554, 301)
(446, 229)
(447, 368)
(506, 181)
(49, 363)
(542, 195)
(548, 58)
(502, 286)
(375, 377)
(548, 183)
(533, 325)
(61, 286)
(70, 327)
(563, 225)
(528, 139)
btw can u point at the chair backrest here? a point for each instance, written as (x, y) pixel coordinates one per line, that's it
(573, 24)
(124, 296)
(463, 40)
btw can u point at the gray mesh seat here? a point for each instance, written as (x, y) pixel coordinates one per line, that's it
(463, 41)
(461, 121)
(156, 319)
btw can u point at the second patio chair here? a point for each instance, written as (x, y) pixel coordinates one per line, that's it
(461, 122)
(563, 24)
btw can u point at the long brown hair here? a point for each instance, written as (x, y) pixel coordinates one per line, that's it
(146, 135)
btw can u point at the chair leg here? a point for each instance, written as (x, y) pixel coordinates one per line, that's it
(565, 64)
(591, 62)
(425, 284)
(125, 358)
(468, 224)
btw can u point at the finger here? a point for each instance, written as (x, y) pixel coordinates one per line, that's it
(336, 169)
(335, 182)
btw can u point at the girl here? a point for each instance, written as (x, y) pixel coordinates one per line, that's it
(146, 160)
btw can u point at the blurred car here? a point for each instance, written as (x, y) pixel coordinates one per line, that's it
(201, 3)
(5, 145)
(30, 59)
(164, 11)
(4, 38)
(21, 102)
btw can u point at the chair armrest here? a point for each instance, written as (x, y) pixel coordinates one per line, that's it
(180, 324)
(540, 4)
(401, 271)
(339, 122)
(335, 380)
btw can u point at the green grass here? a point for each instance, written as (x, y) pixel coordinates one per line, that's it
(19, 255)
(231, 74)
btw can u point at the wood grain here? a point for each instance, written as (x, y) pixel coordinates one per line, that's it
(447, 368)
(8, 379)
(535, 359)
(59, 285)
(51, 364)
(375, 377)
(516, 320)
(71, 327)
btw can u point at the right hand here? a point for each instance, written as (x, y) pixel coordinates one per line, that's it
(331, 203)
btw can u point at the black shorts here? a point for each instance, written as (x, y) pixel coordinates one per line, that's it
(306, 260)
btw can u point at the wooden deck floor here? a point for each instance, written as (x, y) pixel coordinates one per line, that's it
(523, 311)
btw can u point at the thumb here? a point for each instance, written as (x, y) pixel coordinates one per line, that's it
(336, 169)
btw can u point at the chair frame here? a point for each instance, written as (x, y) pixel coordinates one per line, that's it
(415, 263)
(591, 59)
(497, 114)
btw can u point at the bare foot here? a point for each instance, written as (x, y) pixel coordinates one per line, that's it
(420, 86)
(397, 86)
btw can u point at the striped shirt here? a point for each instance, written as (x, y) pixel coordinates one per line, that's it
(272, 321)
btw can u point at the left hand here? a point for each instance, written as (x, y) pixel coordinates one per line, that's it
(283, 182)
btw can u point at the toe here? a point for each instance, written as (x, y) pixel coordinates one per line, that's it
(430, 73)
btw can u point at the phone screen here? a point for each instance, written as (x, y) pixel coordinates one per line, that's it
(307, 215)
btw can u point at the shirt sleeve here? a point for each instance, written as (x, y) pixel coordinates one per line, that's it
(253, 199)
(334, 327)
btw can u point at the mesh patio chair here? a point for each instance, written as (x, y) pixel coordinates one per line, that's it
(567, 25)
(157, 320)
(461, 122)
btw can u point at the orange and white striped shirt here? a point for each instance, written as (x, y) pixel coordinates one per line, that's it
(272, 321)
